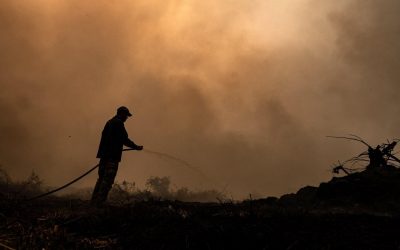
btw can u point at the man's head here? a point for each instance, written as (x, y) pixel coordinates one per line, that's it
(123, 113)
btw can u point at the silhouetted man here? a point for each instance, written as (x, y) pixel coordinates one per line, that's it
(113, 138)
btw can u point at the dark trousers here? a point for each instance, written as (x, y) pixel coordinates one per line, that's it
(107, 172)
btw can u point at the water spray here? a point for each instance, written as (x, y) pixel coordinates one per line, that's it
(176, 159)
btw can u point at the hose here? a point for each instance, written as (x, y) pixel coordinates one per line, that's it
(66, 185)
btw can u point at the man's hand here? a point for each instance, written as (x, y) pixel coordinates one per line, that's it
(139, 148)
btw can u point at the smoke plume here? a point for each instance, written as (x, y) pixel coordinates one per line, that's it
(245, 91)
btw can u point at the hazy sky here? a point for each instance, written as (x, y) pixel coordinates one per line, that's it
(246, 91)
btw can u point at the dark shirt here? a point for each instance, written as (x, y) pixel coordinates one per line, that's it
(113, 138)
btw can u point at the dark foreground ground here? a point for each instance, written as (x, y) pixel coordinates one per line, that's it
(261, 224)
(358, 211)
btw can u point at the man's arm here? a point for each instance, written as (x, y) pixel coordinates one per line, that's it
(129, 143)
(126, 141)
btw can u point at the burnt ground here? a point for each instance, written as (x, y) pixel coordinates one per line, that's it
(360, 211)
(73, 224)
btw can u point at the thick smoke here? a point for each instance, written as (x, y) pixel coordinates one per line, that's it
(244, 91)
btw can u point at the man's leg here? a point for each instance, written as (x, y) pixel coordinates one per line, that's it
(110, 171)
(100, 179)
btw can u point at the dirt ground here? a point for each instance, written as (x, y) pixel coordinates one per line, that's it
(56, 223)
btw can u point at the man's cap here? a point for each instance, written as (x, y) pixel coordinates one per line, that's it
(124, 110)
